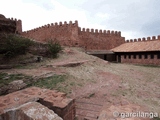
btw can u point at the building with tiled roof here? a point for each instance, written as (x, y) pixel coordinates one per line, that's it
(139, 52)
(106, 44)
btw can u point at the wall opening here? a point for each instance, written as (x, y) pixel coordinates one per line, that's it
(129, 56)
(107, 57)
(146, 56)
(158, 56)
(119, 58)
(152, 56)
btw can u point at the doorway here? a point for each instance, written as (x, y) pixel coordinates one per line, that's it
(119, 59)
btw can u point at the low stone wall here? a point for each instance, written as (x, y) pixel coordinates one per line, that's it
(51, 99)
(142, 60)
(30, 111)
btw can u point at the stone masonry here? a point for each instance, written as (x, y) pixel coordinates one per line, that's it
(10, 25)
(30, 111)
(70, 34)
(36, 98)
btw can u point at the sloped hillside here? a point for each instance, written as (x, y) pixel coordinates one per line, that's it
(113, 86)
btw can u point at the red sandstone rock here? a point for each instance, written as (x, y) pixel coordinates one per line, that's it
(63, 106)
(30, 111)
(70, 64)
(16, 85)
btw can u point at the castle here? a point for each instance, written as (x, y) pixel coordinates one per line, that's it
(108, 45)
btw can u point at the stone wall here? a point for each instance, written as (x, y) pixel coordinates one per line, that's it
(52, 100)
(66, 34)
(144, 39)
(148, 59)
(70, 34)
(30, 111)
(100, 40)
(8, 25)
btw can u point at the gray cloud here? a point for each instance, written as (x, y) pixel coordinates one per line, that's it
(136, 18)
(152, 28)
(141, 17)
(46, 4)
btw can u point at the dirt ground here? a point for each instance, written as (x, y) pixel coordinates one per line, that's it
(100, 86)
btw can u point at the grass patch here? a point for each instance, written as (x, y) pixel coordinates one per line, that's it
(20, 66)
(90, 95)
(49, 82)
(156, 118)
(80, 84)
(5, 78)
(151, 66)
(72, 83)
(119, 93)
(105, 94)
(63, 89)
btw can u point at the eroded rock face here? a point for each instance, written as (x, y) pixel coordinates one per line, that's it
(12, 87)
(7, 25)
(16, 85)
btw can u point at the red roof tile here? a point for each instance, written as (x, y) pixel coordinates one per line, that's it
(140, 46)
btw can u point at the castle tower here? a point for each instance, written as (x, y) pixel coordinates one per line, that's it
(10, 25)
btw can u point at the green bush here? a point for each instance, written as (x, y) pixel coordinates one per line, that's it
(12, 45)
(53, 48)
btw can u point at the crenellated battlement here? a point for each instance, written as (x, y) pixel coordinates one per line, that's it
(10, 25)
(96, 31)
(57, 25)
(13, 19)
(70, 34)
(18, 24)
(144, 39)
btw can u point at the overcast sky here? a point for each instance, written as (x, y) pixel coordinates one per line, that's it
(134, 18)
